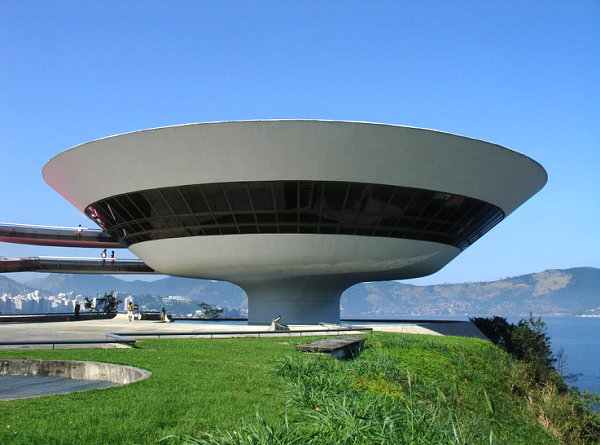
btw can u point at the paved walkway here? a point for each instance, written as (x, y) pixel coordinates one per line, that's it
(96, 329)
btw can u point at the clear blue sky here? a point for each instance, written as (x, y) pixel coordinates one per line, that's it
(523, 74)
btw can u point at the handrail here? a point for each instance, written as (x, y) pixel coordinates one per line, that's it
(129, 338)
(57, 236)
(112, 339)
(75, 258)
(81, 258)
(242, 333)
(39, 226)
(74, 265)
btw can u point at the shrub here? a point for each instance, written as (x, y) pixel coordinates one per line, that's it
(107, 304)
(528, 342)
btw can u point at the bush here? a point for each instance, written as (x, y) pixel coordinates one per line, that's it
(107, 304)
(209, 311)
(528, 342)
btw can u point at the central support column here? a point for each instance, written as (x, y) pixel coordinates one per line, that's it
(298, 300)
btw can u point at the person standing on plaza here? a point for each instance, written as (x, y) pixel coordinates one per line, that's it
(130, 310)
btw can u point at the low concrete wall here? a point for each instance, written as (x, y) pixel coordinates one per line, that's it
(76, 370)
(41, 318)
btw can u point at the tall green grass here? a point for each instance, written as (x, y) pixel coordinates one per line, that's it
(401, 390)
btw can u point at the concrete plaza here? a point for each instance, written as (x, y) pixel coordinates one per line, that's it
(97, 329)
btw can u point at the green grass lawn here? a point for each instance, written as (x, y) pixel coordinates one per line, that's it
(402, 389)
(195, 385)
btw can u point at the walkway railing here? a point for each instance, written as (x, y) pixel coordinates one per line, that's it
(130, 338)
(73, 265)
(110, 338)
(56, 236)
(238, 333)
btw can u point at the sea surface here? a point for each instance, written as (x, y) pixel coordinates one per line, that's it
(580, 340)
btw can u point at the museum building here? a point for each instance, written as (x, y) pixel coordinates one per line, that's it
(294, 211)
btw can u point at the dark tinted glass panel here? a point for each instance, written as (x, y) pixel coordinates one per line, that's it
(335, 195)
(288, 198)
(215, 197)
(238, 196)
(140, 207)
(417, 203)
(401, 198)
(262, 196)
(119, 212)
(157, 204)
(248, 229)
(308, 228)
(175, 200)
(327, 228)
(188, 221)
(365, 231)
(266, 217)
(194, 198)
(381, 195)
(312, 218)
(357, 194)
(225, 219)
(245, 218)
(288, 217)
(288, 228)
(172, 222)
(295, 207)
(309, 194)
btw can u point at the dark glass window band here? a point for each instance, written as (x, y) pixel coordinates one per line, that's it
(322, 207)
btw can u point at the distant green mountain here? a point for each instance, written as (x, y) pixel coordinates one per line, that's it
(12, 288)
(551, 292)
(213, 292)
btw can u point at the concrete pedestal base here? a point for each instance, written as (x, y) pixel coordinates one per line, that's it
(303, 300)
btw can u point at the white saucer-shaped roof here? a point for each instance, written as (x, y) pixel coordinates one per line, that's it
(293, 150)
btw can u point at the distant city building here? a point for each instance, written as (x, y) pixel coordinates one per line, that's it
(33, 303)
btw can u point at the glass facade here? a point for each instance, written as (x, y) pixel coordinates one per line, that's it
(320, 207)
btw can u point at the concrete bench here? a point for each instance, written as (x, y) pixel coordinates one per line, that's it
(338, 347)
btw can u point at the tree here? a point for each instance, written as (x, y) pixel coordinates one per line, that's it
(107, 304)
(209, 311)
(526, 341)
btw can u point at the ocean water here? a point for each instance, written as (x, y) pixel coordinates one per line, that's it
(578, 338)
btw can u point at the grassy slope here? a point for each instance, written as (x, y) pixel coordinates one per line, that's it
(423, 389)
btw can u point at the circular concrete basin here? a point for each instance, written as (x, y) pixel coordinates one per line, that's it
(25, 378)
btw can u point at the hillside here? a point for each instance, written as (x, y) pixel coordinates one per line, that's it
(551, 292)
(213, 292)
(401, 389)
(12, 288)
